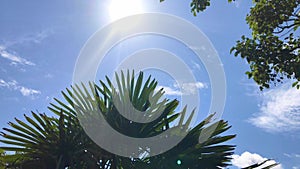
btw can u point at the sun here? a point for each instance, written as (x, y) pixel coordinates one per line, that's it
(122, 8)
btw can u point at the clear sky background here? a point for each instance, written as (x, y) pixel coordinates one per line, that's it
(41, 40)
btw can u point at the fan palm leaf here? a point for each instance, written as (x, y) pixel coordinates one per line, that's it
(47, 142)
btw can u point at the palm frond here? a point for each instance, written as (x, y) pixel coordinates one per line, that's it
(42, 141)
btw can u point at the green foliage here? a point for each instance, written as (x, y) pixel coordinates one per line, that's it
(2, 161)
(199, 5)
(273, 50)
(48, 142)
(271, 16)
(190, 153)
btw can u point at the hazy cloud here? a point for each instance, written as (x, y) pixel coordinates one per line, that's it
(292, 155)
(196, 65)
(279, 111)
(13, 85)
(247, 159)
(36, 37)
(49, 76)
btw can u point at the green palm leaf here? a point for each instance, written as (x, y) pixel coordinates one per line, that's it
(46, 142)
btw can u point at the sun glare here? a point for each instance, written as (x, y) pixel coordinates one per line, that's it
(122, 8)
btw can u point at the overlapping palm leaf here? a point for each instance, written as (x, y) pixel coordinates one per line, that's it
(45, 142)
(42, 141)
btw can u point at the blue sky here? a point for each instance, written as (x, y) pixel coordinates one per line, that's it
(40, 42)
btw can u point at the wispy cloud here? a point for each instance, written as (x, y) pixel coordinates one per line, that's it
(279, 110)
(247, 159)
(292, 155)
(36, 37)
(196, 65)
(13, 85)
(14, 58)
(184, 89)
(237, 3)
(7, 84)
(49, 76)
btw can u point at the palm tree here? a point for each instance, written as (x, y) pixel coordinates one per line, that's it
(46, 142)
(59, 141)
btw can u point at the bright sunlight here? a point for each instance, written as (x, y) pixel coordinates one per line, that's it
(123, 8)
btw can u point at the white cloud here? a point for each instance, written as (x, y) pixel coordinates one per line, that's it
(247, 159)
(184, 89)
(279, 111)
(13, 57)
(13, 85)
(170, 91)
(28, 92)
(191, 88)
